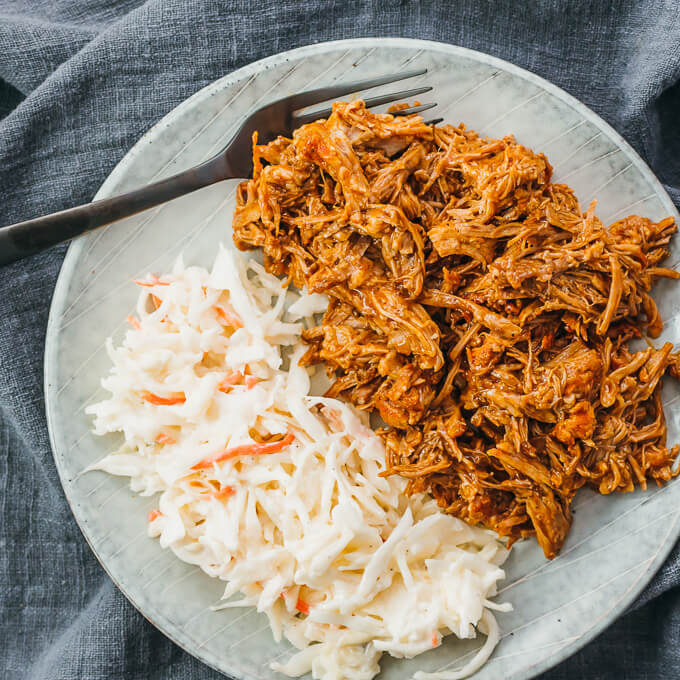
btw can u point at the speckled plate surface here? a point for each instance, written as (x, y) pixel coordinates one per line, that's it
(616, 544)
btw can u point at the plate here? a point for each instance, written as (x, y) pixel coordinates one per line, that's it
(616, 543)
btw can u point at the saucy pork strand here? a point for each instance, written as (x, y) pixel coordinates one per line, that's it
(475, 307)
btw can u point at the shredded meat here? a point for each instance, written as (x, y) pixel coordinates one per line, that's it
(475, 308)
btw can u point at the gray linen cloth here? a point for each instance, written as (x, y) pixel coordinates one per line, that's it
(80, 81)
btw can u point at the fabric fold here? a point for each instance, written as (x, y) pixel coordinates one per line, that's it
(80, 82)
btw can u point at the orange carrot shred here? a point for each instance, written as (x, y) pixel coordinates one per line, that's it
(246, 450)
(229, 318)
(133, 322)
(229, 381)
(163, 438)
(153, 280)
(224, 492)
(157, 302)
(302, 606)
(178, 398)
(251, 381)
(435, 639)
(154, 514)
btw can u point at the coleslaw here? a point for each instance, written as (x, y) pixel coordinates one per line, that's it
(279, 492)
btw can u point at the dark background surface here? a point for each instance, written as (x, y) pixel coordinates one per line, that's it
(80, 82)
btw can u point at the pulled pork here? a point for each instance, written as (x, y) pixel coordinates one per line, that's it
(475, 308)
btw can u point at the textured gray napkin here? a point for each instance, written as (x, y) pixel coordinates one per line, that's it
(80, 81)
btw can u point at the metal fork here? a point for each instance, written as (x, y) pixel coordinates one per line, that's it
(234, 161)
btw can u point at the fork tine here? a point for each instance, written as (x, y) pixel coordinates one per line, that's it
(434, 121)
(414, 109)
(371, 101)
(299, 101)
(394, 96)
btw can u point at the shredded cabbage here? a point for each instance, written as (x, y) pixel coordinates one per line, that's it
(344, 565)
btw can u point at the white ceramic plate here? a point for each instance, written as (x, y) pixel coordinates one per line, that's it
(616, 543)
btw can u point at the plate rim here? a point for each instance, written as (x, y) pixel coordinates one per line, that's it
(71, 259)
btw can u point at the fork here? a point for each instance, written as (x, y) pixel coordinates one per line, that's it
(234, 161)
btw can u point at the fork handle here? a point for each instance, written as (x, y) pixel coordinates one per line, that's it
(32, 236)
